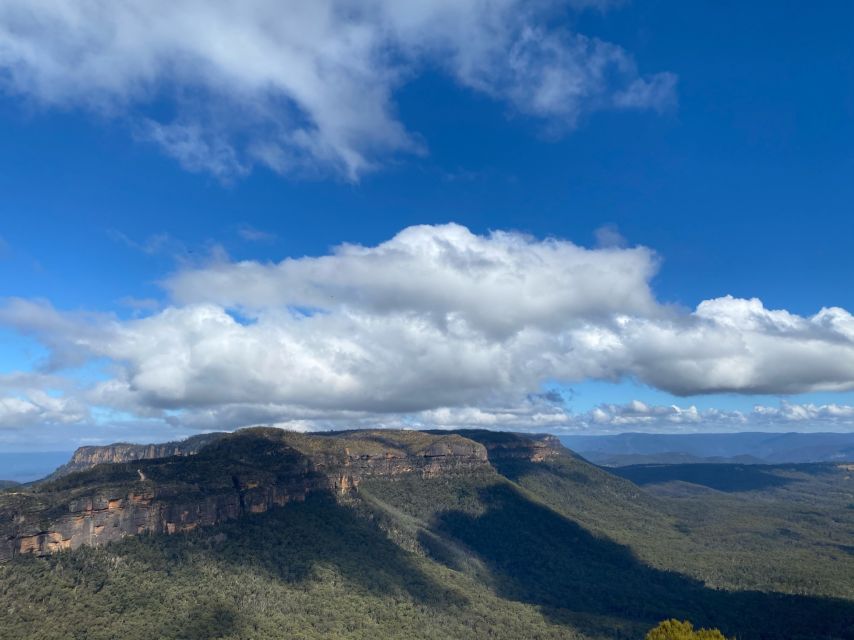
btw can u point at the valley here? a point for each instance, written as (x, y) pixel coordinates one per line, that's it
(421, 535)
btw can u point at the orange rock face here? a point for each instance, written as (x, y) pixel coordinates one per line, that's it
(143, 505)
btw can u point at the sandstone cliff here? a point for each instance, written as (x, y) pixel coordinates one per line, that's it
(504, 446)
(250, 471)
(88, 457)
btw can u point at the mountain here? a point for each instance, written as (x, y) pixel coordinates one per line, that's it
(87, 457)
(404, 534)
(232, 476)
(666, 457)
(747, 448)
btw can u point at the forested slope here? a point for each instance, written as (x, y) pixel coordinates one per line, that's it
(536, 544)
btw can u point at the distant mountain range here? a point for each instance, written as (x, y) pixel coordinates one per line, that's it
(266, 533)
(743, 448)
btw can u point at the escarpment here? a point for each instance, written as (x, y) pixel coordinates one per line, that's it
(503, 446)
(250, 471)
(87, 457)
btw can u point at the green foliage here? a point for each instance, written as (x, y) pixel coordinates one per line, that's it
(721, 477)
(531, 552)
(792, 535)
(362, 442)
(684, 630)
(308, 571)
(558, 549)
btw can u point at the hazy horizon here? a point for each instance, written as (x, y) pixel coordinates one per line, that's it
(23, 465)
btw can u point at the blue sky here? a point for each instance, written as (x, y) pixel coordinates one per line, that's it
(733, 166)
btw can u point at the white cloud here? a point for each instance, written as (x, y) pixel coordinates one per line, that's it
(439, 326)
(637, 412)
(789, 412)
(36, 407)
(639, 416)
(498, 284)
(195, 147)
(729, 344)
(305, 86)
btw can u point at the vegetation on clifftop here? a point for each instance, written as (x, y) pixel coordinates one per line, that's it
(552, 549)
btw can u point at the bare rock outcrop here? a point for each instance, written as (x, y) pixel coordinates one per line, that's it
(248, 472)
(87, 457)
(503, 446)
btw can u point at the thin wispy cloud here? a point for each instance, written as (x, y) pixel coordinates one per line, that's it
(151, 245)
(609, 235)
(140, 305)
(251, 234)
(308, 87)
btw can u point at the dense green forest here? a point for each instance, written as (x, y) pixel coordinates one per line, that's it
(555, 549)
(789, 528)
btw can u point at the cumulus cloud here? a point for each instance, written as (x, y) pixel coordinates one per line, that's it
(637, 412)
(640, 416)
(497, 285)
(736, 345)
(537, 414)
(36, 407)
(299, 86)
(439, 326)
(789, 412)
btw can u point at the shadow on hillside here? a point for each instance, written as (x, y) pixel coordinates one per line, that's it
(730, 478)
(534, 555)
(317, 541)
(297, 542)
(539, 557)
(205, 621)
(294, 542)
